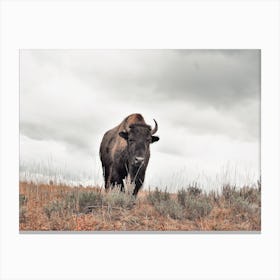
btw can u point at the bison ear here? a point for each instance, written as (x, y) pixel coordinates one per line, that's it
(124, 135)
(155, 139)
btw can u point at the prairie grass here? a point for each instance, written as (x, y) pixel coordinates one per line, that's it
(59, 207)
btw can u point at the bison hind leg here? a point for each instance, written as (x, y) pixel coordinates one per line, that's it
(107, 173)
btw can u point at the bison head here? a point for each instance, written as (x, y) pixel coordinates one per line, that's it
(139, 137)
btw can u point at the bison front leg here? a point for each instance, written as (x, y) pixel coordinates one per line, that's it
(138, 185)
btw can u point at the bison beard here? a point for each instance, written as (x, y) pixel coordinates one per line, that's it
(125, 150)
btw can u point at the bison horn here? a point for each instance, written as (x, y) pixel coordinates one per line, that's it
(155, 129)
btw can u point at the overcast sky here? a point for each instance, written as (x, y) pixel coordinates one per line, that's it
(206, 103)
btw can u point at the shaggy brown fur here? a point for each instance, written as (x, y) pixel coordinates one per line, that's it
(125, 149)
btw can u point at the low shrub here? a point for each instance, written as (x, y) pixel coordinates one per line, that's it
(157, 196)
(22, 199)
(250, 194)
(229, 192)
(170, 208)
(195, 204)
(182, 197)
(197, 207)
(86, 199)
(116, 198)
(22, 214)
(55, 206)
(240, 205)
(71, 201)
(194, 190)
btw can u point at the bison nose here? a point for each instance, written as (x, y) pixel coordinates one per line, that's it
(139, 160)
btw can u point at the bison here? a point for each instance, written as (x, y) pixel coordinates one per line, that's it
(125, 152)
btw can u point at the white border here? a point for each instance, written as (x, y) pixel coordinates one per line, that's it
(156, 24)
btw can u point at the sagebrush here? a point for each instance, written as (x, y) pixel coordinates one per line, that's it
(59, 207)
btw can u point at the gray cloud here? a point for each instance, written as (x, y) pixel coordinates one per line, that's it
(207, 78)
(75, 136)
(226, 80)
(211, 77)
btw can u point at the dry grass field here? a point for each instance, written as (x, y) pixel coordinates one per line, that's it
(51, 207)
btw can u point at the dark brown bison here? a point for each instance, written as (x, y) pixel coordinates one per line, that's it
(125, 152)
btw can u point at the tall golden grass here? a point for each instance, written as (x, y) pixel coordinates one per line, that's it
(49, 207)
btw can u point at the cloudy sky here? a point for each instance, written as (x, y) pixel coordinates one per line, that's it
(206, 103)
